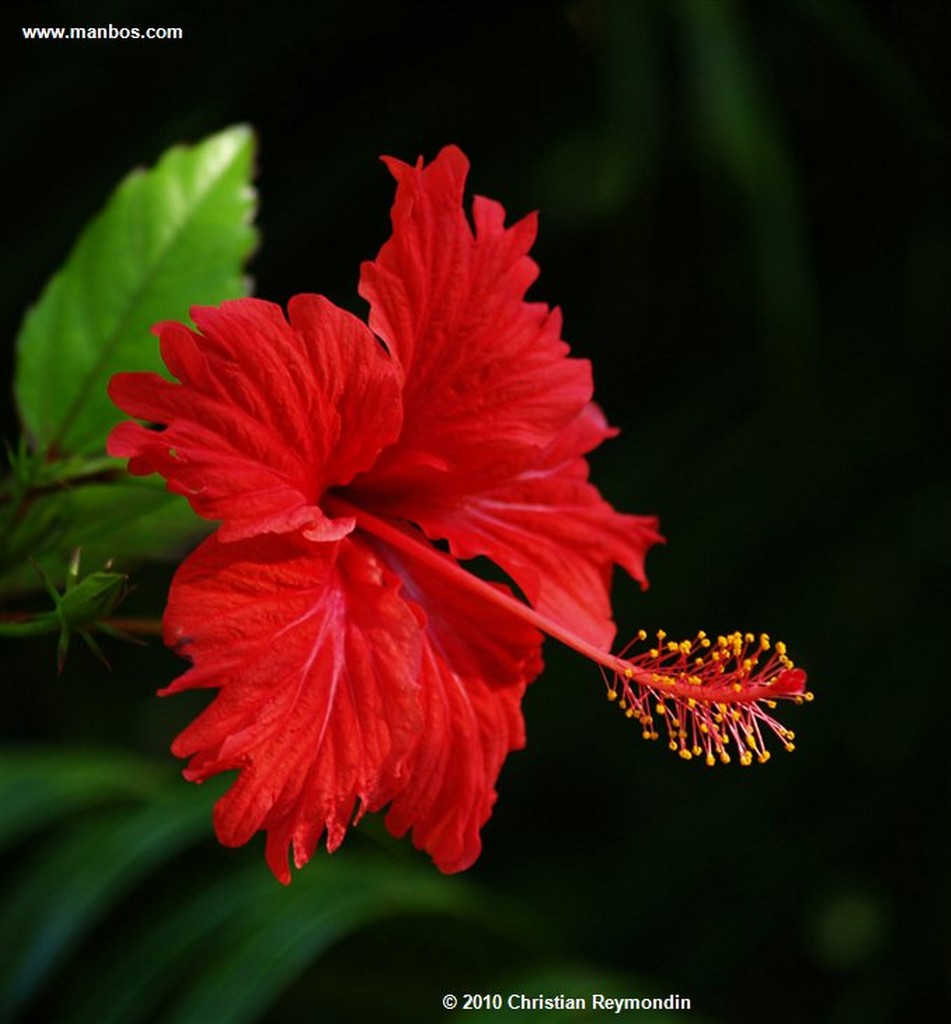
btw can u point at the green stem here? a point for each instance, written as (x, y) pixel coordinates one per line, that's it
(37, 626)
(16, 624)
(46, 477)
(32, 478)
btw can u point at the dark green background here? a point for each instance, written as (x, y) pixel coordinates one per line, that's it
(746, 219)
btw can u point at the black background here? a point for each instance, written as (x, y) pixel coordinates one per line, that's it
(745, 218)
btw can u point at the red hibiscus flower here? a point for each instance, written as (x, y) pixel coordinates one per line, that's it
(357, 663)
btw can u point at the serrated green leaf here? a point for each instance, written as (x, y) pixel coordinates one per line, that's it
(169, 238)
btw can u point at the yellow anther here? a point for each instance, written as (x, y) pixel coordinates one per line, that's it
(808, 696)
(790, 747)
(696, 726)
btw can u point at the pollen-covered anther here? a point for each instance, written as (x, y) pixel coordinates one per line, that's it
(710, 695)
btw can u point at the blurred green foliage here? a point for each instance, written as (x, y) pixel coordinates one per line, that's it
(746, 217)
(115, 831)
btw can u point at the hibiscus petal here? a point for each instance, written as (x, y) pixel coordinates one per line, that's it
(476, 662)
(468, 730)
(477, 639)
(488, 381)
(267, 415)
(553, 533)
(316, 658)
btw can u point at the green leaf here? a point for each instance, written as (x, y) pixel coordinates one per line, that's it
(169, 238)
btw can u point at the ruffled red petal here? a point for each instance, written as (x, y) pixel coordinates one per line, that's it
(266, 415)
(497, 417)
(553, 533)
(316, 658)
(476, 662)
(347, 679)
(469, 728)
(488, 378)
